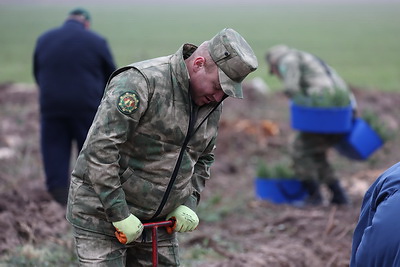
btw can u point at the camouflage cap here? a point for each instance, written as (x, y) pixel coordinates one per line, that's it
(235, 60)
(82, 12)
(275, 52)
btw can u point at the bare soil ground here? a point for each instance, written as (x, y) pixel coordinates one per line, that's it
(236, 229)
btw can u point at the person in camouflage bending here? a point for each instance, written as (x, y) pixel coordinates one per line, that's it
(148, 153)
(305, 74)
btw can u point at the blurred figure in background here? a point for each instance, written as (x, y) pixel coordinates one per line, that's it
(376, 241)
(71, 65)
(304, 75)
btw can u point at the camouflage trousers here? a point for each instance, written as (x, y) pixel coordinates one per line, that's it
(309, 152)
(94, 249)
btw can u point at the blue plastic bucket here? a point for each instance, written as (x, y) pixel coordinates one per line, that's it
(321, 120)
(279, 191)
(361, 142)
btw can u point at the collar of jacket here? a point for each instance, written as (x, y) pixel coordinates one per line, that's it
(73, 22)
(179, 68)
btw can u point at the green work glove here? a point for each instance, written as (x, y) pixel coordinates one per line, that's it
(128, 229)
(185, 219)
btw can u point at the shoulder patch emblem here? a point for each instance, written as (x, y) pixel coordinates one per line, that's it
(128, 102)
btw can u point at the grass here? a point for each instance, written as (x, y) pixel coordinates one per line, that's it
(359, 41)
(44, 255)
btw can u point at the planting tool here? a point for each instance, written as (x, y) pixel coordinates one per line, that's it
(154, 236)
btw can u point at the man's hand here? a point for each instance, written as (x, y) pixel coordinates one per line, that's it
(186, 220)
(128, 229)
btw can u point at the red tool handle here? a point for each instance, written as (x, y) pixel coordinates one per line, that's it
(154, 226)
(157, 224)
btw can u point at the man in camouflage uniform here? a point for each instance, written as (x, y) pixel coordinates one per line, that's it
(149, 151)
(305, 74)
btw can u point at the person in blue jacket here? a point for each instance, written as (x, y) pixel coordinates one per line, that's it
(376, 239)
(71, 65)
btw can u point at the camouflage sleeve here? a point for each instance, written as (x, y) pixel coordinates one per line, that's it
(289, 69)
(123, 103)
(201, 174)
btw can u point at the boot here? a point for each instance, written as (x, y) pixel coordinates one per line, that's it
(60, 194)
(339, 195)
(314, 197)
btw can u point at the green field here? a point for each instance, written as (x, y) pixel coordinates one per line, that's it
(361, 41)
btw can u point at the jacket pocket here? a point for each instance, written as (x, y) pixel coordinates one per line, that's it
(142, 195)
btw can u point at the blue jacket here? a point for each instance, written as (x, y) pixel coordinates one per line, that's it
(71, 65)
(376, 239)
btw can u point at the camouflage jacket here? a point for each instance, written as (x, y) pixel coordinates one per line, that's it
(305, 73)
(134, 143)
